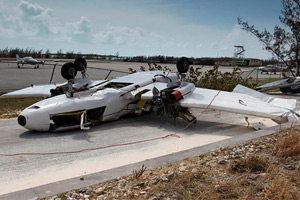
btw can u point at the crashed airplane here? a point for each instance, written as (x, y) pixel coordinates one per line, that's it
(81, 102)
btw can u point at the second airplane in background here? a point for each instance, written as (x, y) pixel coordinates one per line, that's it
(30, 61)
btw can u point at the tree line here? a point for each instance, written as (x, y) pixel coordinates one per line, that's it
(11, 53)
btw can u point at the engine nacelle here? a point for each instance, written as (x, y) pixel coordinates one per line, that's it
(185, 89)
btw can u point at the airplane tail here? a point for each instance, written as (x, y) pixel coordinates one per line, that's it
(18, 57)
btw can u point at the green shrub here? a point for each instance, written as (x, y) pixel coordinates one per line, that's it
(211, 79)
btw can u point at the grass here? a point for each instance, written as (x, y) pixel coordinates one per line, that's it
(267, 80)
(288, 145)
(11, 107)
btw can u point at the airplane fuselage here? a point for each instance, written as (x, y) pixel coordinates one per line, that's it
(107, 101)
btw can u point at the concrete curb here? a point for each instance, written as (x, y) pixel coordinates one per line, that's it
(91, 179)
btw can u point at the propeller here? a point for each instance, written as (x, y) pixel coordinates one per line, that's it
(158, 102)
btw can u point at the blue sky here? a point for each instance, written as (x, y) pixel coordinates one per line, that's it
(203, 28)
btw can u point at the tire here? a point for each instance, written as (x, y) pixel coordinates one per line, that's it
(80, 64)
(68, 71)
(285, 90)
(183, 65)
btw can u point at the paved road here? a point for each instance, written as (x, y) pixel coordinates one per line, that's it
(20, 172)
(12, 78)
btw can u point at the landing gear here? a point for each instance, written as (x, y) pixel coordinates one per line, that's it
(80, 64)
(68, 71)
(183, 65)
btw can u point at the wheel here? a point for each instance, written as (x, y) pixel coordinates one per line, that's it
(80, 64)
(183, 65)
(68, 71)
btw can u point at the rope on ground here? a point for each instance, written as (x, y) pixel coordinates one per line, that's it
(117, 145)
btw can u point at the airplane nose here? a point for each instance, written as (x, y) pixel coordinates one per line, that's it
(22, 120)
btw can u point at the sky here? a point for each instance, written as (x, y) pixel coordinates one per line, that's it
(192, 28)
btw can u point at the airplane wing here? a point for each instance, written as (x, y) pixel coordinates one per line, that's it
(241, 104)
(284, 85)
(273, 84)
(44, 89)
(285, 103)
(8, 61)
(34, 90)
(242, 101)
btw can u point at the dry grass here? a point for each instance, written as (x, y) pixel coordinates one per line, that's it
(283, 185)
(138, 173)
(252, 163)
(231, 181)
(288, 145)
(11, 107)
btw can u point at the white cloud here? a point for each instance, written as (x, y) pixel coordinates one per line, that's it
(32, 21)
(155, 36)
(35, 19)
(80, 31)
(33, 11)
(120, 35)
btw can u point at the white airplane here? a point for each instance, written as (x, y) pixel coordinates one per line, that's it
(29, 61)
(81, 102)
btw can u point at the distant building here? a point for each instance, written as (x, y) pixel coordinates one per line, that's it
(253, 62)
(245, 62)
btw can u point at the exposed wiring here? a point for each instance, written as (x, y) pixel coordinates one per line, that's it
(118, 145)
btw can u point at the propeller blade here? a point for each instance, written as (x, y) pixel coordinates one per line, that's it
(155, 92)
